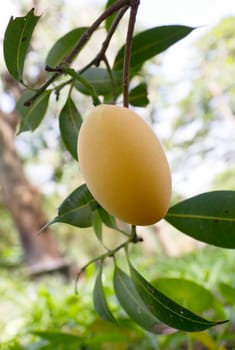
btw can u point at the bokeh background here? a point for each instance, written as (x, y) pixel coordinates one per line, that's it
(192, 104)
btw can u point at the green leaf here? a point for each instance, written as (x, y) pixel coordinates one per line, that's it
(208, 217)
(227, 292)
(150, 43)
(97, 224)
(109, 19)
(89, 87)
(100, 79)
(100, 339)
(77, 208)
(139, 96)
(70, 122)
(16, 42)
(32, 116)
(59, 338)
(99, 299)
(64, 46)
(107, 218)
(187, 293)
(166, 309)
(132, 303)
(71, 341)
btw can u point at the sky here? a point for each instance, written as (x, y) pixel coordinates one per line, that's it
(195, 13)
(202, 14)
(199, 13)
(155, 12)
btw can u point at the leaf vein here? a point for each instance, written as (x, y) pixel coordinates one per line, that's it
(20, 42)
(149, 291)
(197, 216)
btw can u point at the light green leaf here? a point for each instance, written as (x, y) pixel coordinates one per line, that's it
(32, 116)
(99, 299)
(166, 309)
(58, 338)
(70, 122)
(227, 292)
(187, 293)
(100, 79)
(89, 87)
(64, 46)
(208, 217)
(16, 42)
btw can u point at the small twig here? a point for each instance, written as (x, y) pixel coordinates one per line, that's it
(101, 54)
(127, 55)
(86, 36)
(28, 102)
(111, 31)
(133, 238)
(112, 79)
(76, 76)
(109, 253)
(81, 43)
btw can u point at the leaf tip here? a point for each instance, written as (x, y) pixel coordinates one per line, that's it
(222, 322)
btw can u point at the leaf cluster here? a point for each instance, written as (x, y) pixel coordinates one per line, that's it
(208, 217)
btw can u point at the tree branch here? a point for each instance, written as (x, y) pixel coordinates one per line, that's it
(127, 56)
(86, 36)
(101, 54)
(110, 253)
(81, 43)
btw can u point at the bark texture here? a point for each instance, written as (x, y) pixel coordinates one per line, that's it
(23, 201)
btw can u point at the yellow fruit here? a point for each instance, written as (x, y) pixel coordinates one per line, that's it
(124, 165)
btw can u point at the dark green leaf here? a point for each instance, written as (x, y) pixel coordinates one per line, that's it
(107, 219)
(99, 299)
(208, 217)
(32, 116)
(97, 224)
(132, 303)
(100, 79)
(70, 122)
(109, 19)
(150, 43)
(64, 46)
(187, 293)
(16, 42)
(139, 96)
(166, 309)
(77, 208)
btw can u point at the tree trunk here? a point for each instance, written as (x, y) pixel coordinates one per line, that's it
(24, 203)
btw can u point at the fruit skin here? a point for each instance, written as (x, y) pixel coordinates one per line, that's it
(124, 165)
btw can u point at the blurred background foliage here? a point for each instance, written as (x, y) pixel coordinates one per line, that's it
(44, 312)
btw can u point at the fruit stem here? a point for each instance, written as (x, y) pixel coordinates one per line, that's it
(127, 55)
